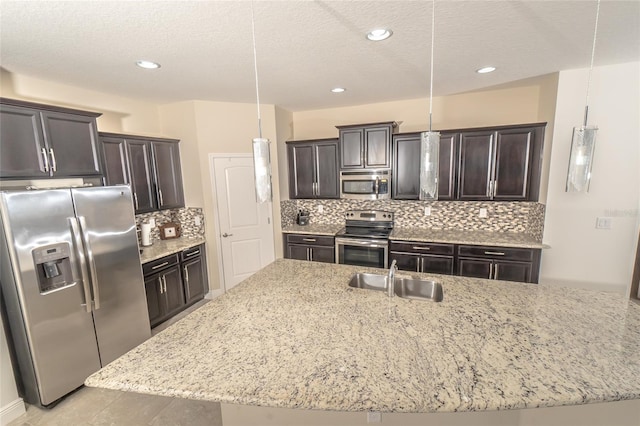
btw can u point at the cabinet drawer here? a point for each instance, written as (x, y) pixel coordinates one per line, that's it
(488, 252)
(315, 240)
(159, 264)
(191, 253)
(423, 248)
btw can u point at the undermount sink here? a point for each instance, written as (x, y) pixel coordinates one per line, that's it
(414, 288)
(369, 281)
(405, 287)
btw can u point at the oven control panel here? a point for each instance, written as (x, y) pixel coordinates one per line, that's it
(369, 215)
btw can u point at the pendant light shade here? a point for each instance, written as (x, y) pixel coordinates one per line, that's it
(261, 154)
(429, 156)
(262, 169)
(583, 141)
(582, 148)
(430, 141)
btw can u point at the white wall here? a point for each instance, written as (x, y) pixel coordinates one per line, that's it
(581, 255)
(119, 113)
(219, 128)
(11, 405)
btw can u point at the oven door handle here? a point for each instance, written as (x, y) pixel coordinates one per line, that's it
(367, 243)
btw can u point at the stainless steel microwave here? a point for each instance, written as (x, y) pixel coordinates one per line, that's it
(365, 184)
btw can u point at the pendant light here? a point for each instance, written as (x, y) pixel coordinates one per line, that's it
(430, 141)
(584, 138)
(261, 146)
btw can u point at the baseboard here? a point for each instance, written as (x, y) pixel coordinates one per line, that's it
(12, 411)
(215, 293)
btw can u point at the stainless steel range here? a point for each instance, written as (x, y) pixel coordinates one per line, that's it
(364, 241)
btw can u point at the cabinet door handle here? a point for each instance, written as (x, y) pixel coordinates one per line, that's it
(495, 271)
(310, 253)
(45, 157)
(160, 265)
(135, 200)
(311, 240)
(186, 275)
(418, 261)
(421, 248)
(54, 166)
(193, 253)
(164, 279)
(161, 286)
(160, 195)
(494, 253)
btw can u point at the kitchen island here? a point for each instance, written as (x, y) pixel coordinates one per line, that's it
(296, 336)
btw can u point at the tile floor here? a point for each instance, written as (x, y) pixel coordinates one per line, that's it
(102, 407)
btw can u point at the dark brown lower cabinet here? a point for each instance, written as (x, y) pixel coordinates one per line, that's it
(496, 263)
(499, 263)
(175, 282)
(316, 248)
(194, 273)
(423, 257)
(165, 291)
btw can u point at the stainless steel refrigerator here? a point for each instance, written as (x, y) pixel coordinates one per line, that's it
(72, 286)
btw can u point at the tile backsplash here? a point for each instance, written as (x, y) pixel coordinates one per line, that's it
(521, 217)
(186, 217)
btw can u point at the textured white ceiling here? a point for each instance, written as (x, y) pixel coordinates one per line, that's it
(307, 47)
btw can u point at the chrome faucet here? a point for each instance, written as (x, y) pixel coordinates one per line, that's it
(392, 279)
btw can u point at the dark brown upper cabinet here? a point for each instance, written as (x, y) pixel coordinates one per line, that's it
(366, 145)
(168, 175)
(150, 165)
(42, 141)
(313, 168)
(405, 180)
(501, 164)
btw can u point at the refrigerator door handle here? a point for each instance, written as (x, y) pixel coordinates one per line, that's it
(91, 261)
(83, 263)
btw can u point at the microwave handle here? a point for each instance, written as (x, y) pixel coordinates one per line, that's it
(377, 187)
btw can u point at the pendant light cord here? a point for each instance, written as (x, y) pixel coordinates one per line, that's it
(255, 66)
(433, 31)
(593, 52)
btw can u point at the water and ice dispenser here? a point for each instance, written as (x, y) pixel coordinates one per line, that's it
(53, 266)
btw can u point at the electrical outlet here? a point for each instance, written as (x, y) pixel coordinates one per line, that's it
(603, 223)
(483, 212)
(427, 211)
(374, 417)
(198, 221)
(152, 222)
(320, 209)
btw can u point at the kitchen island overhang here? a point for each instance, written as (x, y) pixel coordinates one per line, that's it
(294, 335)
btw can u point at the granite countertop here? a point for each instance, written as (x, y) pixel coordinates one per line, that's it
(295, 335)
(315, 228)
(483, 238)
(163, 248)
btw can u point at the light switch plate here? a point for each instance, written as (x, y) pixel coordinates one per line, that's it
(603, 223)
(483, 212)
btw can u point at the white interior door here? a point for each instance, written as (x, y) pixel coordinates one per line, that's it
(245, 226)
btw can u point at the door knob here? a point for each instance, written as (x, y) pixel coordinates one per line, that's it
(225, 235)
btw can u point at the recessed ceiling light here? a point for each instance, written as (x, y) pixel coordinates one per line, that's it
(379, 34)
(149, 65)
(485, 70)
(338, 89)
